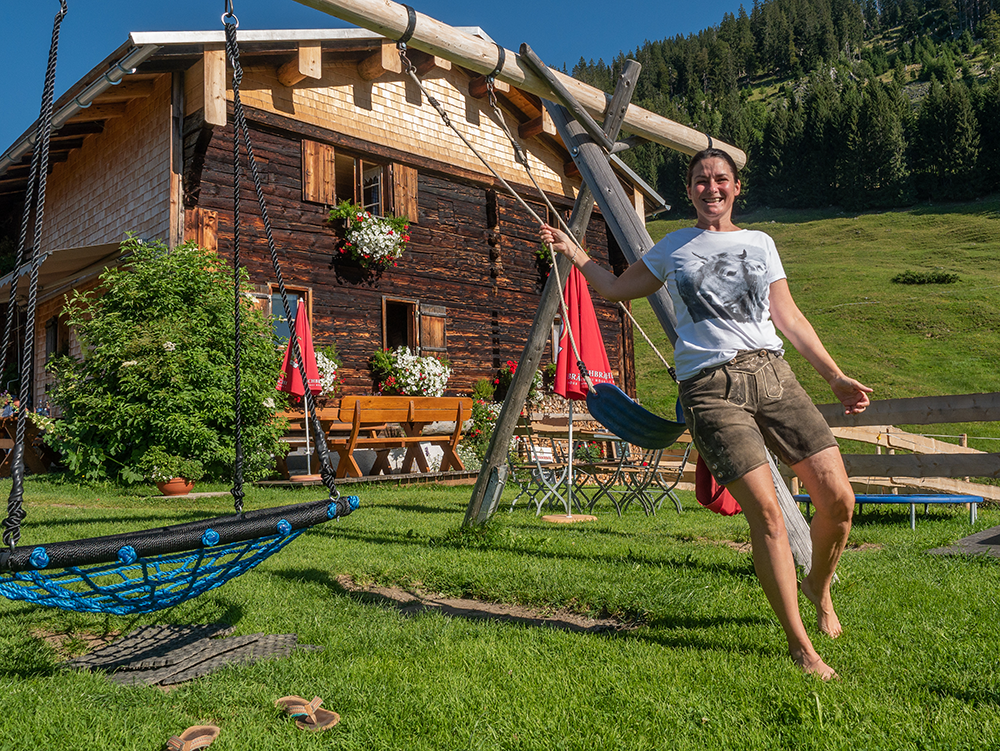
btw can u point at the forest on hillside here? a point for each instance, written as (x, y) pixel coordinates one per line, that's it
(862, 104)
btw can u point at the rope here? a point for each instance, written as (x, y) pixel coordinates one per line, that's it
(519, 155)
(242, 132)
(39, 170)
(411, 71)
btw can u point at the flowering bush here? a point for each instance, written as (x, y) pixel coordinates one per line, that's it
(373, 241)
(158, 339)
(403, 373)
(506, 375)
(327, 364)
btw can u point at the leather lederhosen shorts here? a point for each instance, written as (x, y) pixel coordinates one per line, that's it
(738, 410)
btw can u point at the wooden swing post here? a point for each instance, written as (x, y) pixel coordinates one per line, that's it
(436, 38)
(493, 474)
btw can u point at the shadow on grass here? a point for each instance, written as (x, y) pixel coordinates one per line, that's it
(696, 638)
(142, 521)
(682, 560)
(973, 695)
(420, 509)
(36, 647)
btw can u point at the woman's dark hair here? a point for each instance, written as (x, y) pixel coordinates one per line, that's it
(712, 153)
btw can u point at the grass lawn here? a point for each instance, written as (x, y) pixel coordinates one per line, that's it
(702, 663)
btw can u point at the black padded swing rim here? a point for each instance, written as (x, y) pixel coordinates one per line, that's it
(176, 538)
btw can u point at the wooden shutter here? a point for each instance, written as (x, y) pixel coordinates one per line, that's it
(433, 330)
(202, 226)
(319, 182)
(404, 192)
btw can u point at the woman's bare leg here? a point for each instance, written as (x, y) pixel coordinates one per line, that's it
(825, 479)
(775, 567)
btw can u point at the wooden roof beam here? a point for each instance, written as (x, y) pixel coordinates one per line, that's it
(478, 88)
(536, 126)
(427, 65)
(430, 35)
(307, 63)
(125, 92)
(96, 112)
(529, 104)
(385, 60)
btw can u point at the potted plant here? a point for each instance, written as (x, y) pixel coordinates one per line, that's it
(374, 242)
(173, 474)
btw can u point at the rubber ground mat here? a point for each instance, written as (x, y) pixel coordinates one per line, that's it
(986, 542)
(167, 655)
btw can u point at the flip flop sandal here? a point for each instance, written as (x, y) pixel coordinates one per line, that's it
(313, 718)
(198, 736)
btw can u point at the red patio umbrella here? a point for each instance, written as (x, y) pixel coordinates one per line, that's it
(589, 343)
(586, 334)
(291, 380)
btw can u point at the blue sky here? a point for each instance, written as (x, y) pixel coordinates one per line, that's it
(559, 32)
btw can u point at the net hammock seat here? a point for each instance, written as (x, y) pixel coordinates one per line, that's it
(153, 569)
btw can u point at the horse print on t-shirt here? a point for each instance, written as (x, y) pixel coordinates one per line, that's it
(729, 286)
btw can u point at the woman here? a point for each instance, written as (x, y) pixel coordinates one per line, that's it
(739, 396)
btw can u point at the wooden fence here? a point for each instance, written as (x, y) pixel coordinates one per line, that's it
(928, 464)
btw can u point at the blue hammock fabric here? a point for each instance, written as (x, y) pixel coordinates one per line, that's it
(620, 414)
(154, 569)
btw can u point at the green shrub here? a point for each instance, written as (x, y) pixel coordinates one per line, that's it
(925, 277)
(158, 343)
(483, 389)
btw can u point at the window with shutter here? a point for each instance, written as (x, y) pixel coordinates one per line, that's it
(399, 324)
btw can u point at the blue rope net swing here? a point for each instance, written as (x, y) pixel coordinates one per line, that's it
(148, 570)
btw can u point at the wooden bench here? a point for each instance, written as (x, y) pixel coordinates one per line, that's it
(369, 416)
(37, 456)
(912, 500)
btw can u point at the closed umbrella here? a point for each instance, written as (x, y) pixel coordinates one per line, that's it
(292, 381)
(581, 319)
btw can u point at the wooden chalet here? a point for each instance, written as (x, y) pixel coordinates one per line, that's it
(143, 144)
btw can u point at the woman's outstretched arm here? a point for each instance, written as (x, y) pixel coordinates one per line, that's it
(794, 325)
(637, 280)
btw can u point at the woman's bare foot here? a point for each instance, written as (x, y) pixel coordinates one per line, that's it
(826, 617)
(812, 664)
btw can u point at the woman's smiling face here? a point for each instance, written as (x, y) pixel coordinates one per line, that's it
(713, 191)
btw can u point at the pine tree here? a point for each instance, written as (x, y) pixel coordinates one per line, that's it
(882, 151)
(946, 147)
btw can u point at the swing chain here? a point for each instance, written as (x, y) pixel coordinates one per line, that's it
(37, 177)
(241, 132)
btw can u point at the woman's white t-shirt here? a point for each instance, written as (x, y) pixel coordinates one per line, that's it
(719, 283)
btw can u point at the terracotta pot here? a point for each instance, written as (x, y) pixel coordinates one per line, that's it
(176, 486)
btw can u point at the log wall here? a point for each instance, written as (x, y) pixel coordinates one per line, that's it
(472, 251)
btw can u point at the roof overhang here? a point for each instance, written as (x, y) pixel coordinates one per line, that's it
(61, 270)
